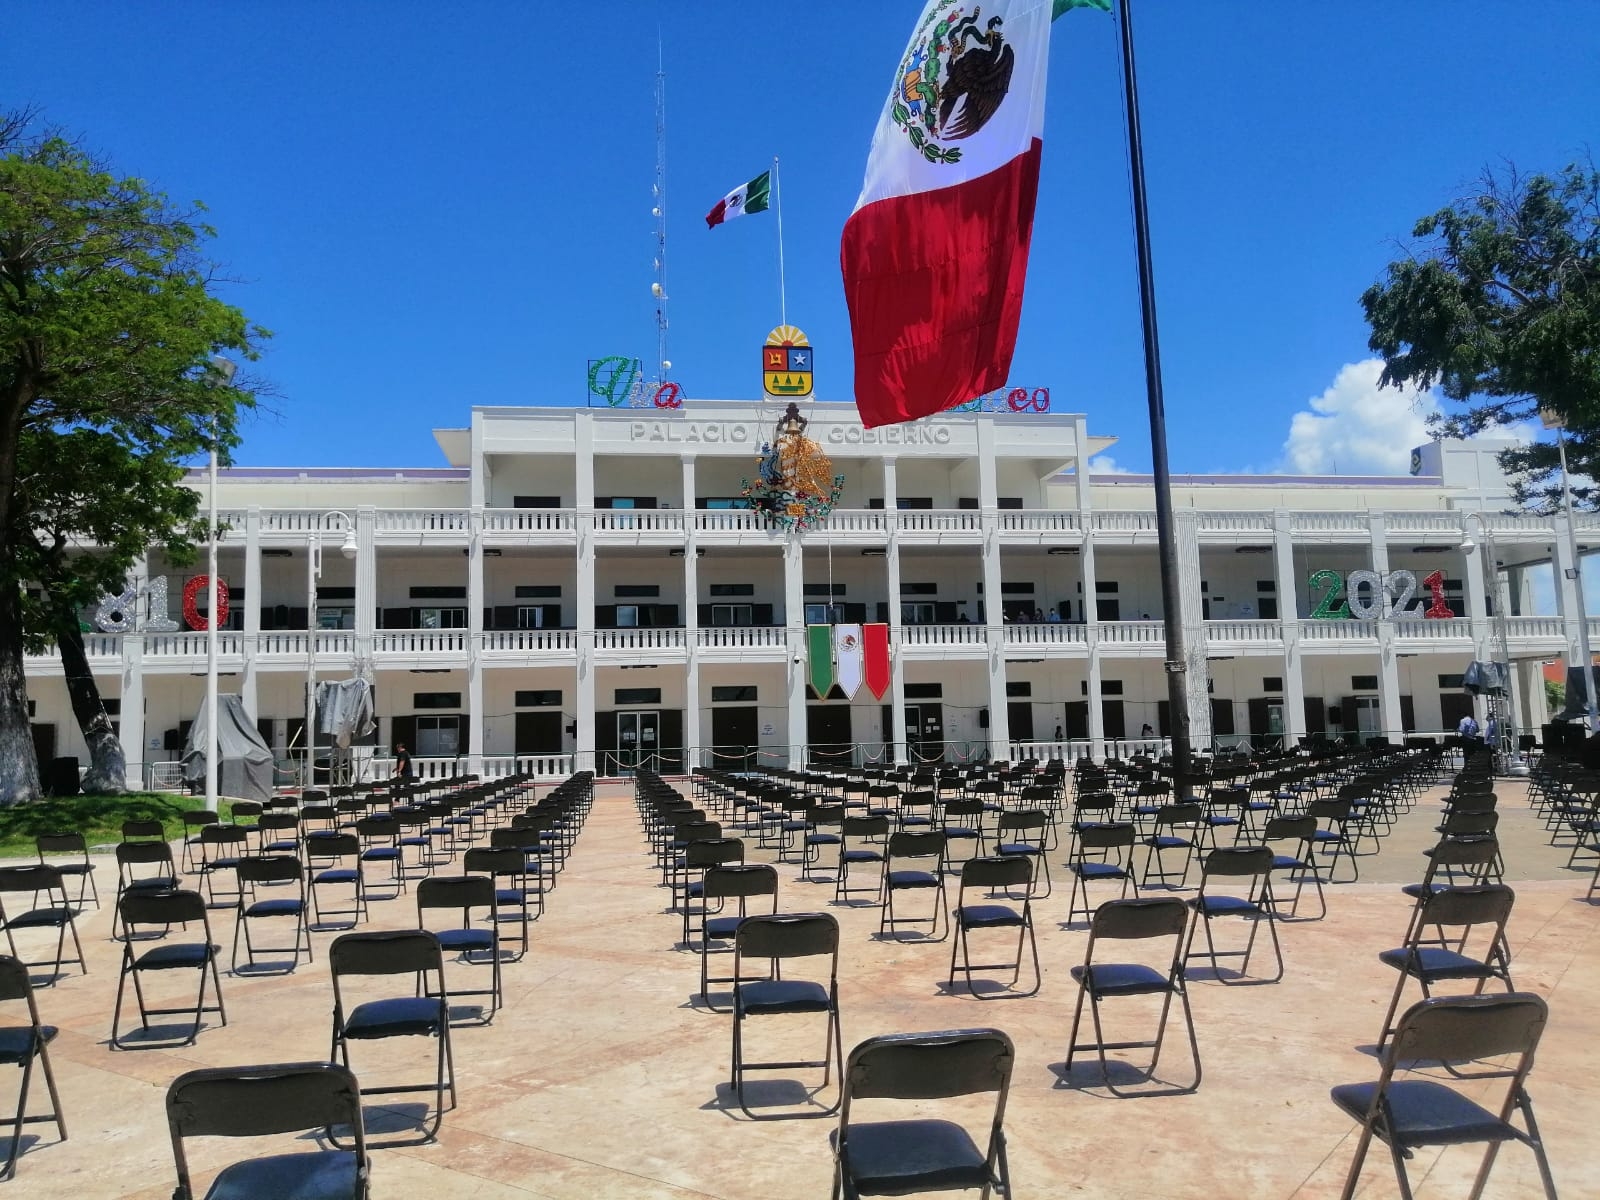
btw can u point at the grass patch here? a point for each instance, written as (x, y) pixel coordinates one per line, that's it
(98, 818)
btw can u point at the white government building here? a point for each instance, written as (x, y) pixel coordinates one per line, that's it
(585, 587)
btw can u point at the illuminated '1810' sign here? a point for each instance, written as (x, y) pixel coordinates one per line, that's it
(1372, 597)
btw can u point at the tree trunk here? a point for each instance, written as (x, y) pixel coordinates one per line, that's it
(108, 766)
(19, 767)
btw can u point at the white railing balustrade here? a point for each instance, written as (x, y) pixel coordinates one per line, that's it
(638, 639)
(1353, 523)
(1133, 632)
(527, 520)
(729, 520)
(188, 645)
(1235, 522)
(1039, 521)
(638, 520)
(1449, 627)
(1125, 522)
(531, 640)
(1243, 631)
(1048, 633)
(942, 635)
(935, 520)
(420, 641)
(742, 637)
(1447, 523)
(281, 644)
(1536, 627)
(1337, 631)
(422, 520)
(540, 766)
(855, 520)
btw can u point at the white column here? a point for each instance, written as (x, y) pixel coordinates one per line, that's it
(1186, 531)
(693, 709)
(1091, 631)
(583, 442)
(1288, 592)
(475, 596)
(366, 573)
(993, 593)
(252, 609)
(896, 733)
(1389, 715)
(130, 722)
(794, 605)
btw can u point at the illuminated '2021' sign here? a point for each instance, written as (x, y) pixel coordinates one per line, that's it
(1368, 596)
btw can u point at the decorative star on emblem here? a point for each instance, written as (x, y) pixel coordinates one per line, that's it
(800, 361)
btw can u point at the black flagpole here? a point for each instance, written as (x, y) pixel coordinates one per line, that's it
(1172, 614)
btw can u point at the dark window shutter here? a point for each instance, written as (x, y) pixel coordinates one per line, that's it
(761, 614)
(1111, 715)
(944, 612)
(403, 730)
(299, 618)
(1076, 725)
(1221, 716)
(1316, 715)
(605, 617)
(1408, 715)
(854, 613)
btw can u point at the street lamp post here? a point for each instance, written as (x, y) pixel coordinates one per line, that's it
(313, 573)
(1506, 725)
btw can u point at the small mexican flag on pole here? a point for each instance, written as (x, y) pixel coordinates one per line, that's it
(752, 197)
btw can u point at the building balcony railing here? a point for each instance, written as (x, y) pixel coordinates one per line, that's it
(638, 520)
(1342, 524)
(1236, 522)
(1236, 632)
(531, 641)
(938, 520)
(1050, 633)
(942, 635)
(1338, 631)
(420, 641)
(422, 520)
(644, 640)
(742, 637)
(1450, 627)
(1144, 633)
(190, 645)
(1039, 521)
(554, 521)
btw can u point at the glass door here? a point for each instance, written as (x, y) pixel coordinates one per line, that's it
(638, 741)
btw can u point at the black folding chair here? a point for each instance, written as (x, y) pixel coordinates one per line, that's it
(1446, 924)
(1007, 908)
(21, 1046)
(333, 860)
(1102, 853)
(474, 940)
(271, 888)
(516, 894)
(927, 851)
(1143, 919)
(165, 910)
(1300, 867)
(776, 940)
(1026, 835)
(865, 841)
(76, 867)
(1409, 1113)
(1249, 868)
(726, 892)
(55, 913)
(257, 1101)
(423, 1011)
(922, 1154)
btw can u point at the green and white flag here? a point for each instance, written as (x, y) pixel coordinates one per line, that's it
(819, 659)
(752, 197)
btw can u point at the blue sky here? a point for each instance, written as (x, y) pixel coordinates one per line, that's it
(438, 205)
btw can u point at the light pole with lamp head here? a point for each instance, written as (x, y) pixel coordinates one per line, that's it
(313, 573)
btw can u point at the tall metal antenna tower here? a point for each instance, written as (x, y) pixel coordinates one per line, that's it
(658, 289)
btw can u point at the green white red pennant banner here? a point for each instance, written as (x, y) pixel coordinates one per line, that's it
(819, 653)
(875, 658)
(847, 658)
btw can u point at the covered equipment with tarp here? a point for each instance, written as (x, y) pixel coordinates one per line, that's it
(244, 763)
(1577, 698)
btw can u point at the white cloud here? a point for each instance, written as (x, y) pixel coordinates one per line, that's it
(1358, 428)
(1104, 464)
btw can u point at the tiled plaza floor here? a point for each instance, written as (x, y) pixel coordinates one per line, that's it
(601, 1077)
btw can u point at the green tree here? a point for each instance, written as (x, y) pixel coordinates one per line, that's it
(107, 328)
(1499, 307)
